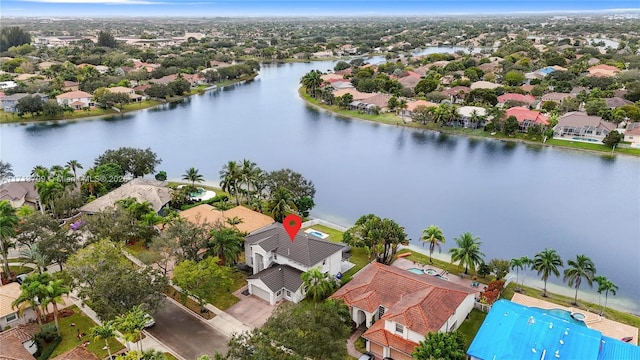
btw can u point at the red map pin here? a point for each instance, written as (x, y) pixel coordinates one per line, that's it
(292, 224)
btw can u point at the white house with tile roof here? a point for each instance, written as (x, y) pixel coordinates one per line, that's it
(278, 262)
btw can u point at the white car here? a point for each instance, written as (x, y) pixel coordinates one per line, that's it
(149, 321)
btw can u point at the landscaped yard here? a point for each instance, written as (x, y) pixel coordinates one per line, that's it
(224, 298)
(82, 325)
(470, 326)
(451, 268)
(188, 303)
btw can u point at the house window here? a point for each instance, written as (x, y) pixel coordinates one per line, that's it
(12, 317)
(288, 293)
(324, 261)
(279, 293)
(399, 328)
(275, 256)
(381, 311)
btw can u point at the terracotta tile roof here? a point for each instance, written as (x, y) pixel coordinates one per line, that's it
(74, 95)
(204, 213)
(8, 294)
(77, 353)
(357, 95)
(527, 88)
(377, 334)
(523, 114)
(412, 105)
(604, 67)
(380, 100)
(456, 90)
(422, 303)
(11, 346)
(516, 97)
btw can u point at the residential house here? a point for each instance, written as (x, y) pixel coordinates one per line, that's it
(399, 308)
(152, 191)
(9, 102)
(603, 70)
(484, 85)
(377, 101)
(412, 105)
(410, 80)
(322, 54)
(71, 86)
(616, 102)
(527, 88)
(555, 97)
(10, 316)
(632, 134)
(17, 344)
(529, 100)
(20, 193)
(582, 127)
(77, 100)
(357, 95)
(466, 114)
(250, 220)
(332, 77)
(457, 94)
(527, 118)
(514, 331)
(128, 91)
(278, 262)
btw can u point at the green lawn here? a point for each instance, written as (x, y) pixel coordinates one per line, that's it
(470, 326)
(223, 298)
(334, 235)
(593, 147)
(137, 248)
(83, 324)
(358, 255)
(609, 313)
(21, 269)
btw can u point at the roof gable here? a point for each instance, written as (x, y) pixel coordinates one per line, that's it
(140, 189)
(280, 276)
(307, 250)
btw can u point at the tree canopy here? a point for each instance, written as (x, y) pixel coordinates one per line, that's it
(133, 161)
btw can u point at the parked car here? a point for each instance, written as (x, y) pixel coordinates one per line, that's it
(20, 278)
(367, 356)
(150, 321)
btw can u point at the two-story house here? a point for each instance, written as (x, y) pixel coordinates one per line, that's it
(399, 308)
(77, 100)
(10, 102)
(11, 316)
(278, 262)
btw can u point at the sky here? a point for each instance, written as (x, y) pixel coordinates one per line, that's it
(199, 8)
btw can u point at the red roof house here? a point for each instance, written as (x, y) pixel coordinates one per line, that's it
(404, 306)
(527, 118)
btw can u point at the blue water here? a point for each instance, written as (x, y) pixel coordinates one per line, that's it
(565, 315)
(416, 271)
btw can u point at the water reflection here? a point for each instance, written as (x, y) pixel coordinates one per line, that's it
(608, 159)
(419, 137)
(472, 143)
(400, 140)
(118, 118)
(534, 148)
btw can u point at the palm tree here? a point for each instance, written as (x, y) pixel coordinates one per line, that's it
(193, 175)
(546, 263)
(226, 244)
(131, 325)
(518, 264)
(234, 221)
(104, 331)
(312, 81)
(402, 105)
(48, 191)
(468, 252)
(600, 279)
(434, 236)
(317, 284)
(8, 222)
(281, 204)
(30, 292)
(229, 179)
(607, 286)
(52, 292)
(74, 165)
(40, 172)
(581, 268)
(248, 173)
(6, 170)
(31, 255)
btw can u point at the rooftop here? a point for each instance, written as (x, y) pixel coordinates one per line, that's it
(204, 213)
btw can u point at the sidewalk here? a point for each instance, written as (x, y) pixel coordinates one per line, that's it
(351, 349)
(149, 342)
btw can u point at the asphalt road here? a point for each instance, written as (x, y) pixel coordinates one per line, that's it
(186, 334)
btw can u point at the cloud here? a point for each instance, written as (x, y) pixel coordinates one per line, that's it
(101, 2)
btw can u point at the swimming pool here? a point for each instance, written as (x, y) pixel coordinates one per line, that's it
(575, 318)
(416, 271)
(586, 139)
(317, 233)
(431, 272)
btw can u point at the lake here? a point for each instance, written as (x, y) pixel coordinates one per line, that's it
(517, 198)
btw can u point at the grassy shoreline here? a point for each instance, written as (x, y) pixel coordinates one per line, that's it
(11, 118)
(391, 119)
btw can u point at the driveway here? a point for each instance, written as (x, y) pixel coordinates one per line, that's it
(186, 334)
(250, 310)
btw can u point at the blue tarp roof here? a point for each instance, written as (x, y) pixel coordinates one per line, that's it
(514, 331)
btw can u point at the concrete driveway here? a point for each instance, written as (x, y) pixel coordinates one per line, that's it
(186, 334)
(250, 310)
